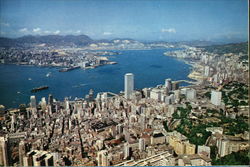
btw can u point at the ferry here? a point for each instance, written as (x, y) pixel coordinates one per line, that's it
(68, 69)
(48, 75)
(39, 89)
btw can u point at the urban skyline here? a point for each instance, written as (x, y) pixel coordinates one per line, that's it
(124, 83)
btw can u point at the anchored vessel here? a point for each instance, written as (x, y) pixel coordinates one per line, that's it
(39, 88)
(68, 69)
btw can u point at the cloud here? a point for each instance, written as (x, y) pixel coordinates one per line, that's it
(23, 30)
(78, 31)
(169, 30)
(36, 29)
(5, 24)
(3, 33)
(57, 32)
(47, 32)
(107, 33)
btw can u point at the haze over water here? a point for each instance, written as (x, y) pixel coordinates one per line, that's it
(150, 68)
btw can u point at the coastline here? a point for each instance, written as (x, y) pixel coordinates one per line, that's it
(91, 77)
(194, 74)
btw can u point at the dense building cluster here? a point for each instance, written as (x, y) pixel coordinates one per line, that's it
(55, 57)
(164, 125)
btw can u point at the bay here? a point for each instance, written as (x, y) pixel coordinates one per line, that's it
(150, 68)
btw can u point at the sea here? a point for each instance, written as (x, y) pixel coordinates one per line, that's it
(150, 68)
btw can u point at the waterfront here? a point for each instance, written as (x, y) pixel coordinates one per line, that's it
(150, 67)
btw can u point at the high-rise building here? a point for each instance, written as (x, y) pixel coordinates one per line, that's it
(50, 99)
(21, 151)
(127, 151)
(142, 121)
(3, 152)
(33, 101)
(206, 71)
(2, 111)
(216, 97)
(155, 94)
(28, 158)
(168, 84)
(177, 94)
(191, 94)
(141, 144)
(55, 158)
(119, 129)
(43, 104)
(129, 85)
(67, 106)
(91, 94)
(99, 144)
(175, 85)
(102, 158)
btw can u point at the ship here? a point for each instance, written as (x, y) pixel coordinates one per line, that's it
(48, 75)
(39, 89)
(68, 69)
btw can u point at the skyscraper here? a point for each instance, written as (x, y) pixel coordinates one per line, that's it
(22, 151)
(129, 85)
(127, 151)
(206, 71)
(33, 101)
(50, 99)
(3, 152)
(191, 94)
(43, 103)
(141, 144)
(168, 84)
(175, 85)
(216, 97)
(102, 158)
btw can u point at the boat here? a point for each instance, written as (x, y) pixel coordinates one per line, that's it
(68, 69)
(29, 79)
(63, 70)
(48, 75)
(39, 88)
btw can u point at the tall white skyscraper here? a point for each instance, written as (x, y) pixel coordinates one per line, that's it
(33, 101)
(129, 85)
(216, 97)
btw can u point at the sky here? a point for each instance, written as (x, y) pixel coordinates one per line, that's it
(145, 20)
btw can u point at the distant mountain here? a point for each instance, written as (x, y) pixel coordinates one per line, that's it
(7, 42)
(228, 48)
(84, 40)
(55, 40)
(199, 43)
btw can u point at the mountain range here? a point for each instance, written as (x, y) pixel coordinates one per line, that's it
(69, 40)
(80, 41)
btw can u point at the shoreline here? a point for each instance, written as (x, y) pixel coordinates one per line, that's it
(193, 74)
(56, 67)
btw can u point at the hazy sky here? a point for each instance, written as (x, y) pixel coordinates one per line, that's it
(139, 19)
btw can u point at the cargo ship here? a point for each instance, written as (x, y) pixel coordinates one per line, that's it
(68, 69)
(39, 88)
